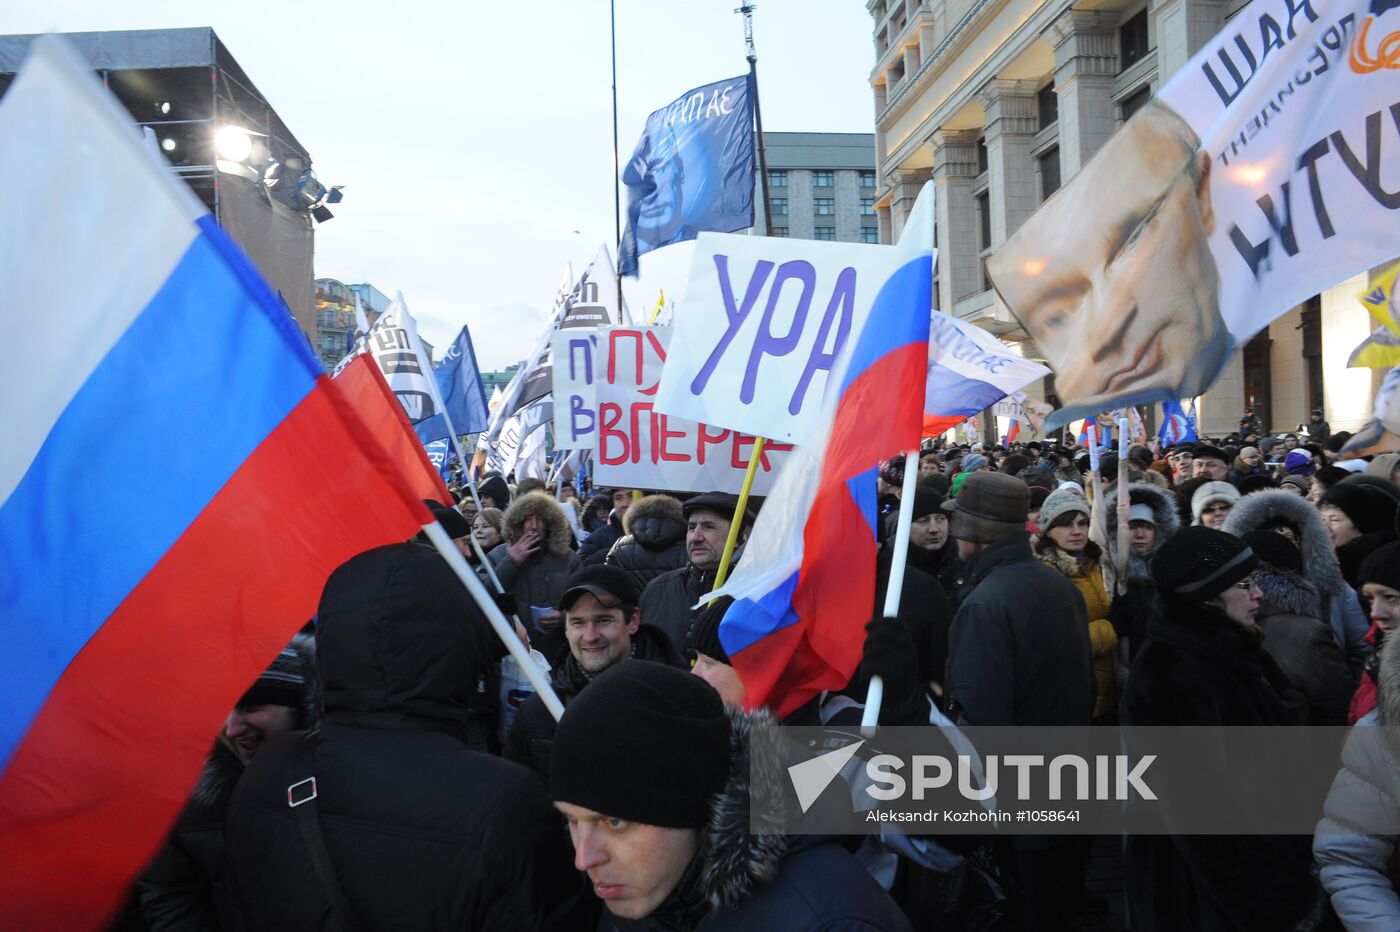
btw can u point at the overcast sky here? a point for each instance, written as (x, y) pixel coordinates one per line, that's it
(474, 139)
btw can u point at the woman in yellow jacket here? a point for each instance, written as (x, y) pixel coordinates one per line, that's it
(1065, 545)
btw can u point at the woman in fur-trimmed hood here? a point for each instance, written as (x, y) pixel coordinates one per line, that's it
(1300, 522)
(1152, 506)
(533, 563)
(653, 540)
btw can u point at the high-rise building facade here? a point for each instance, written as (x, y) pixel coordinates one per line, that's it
(822, 186)
(998, 102)
(335, 316)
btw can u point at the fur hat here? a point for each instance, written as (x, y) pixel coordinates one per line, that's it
(1381, 566)
(1367, 508)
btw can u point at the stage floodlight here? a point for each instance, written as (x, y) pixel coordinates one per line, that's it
(163, 106)
(335, 195)
(233, 144)
(321, 214)
(168, 144)
(272, 174)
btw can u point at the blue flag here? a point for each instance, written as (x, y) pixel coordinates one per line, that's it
(692, 170)
(1177, 425)
(463, 396)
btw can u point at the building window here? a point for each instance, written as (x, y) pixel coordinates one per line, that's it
(1311, 317)
(1049, 173)
(1258, 376)
(780, 231)
(777, 179)
(826, 206)
(826, 233)
(823, 179)
(779, 206)
(867, 179)
(867, 207)
(1133, 103)
(1132, 41)
(984, 220)
(1047, 102)
(981, 154)
(869, 234)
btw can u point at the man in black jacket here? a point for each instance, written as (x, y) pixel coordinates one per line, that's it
(1018, 654)
(419, 831)
(667, 599)
(603, 627)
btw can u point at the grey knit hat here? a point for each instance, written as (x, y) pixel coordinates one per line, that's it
(1060, 502)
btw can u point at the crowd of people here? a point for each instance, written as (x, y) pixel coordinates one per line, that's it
(390, 769)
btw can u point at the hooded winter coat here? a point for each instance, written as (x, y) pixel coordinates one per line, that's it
(1200, 668)
(532, 732)
(1301, 644)
(1136, 598)
(653, 541)
(1340, 606)
(764, 881)
(1088, 578)
(597, 545)
(1358, 863)
(541, 581)
(1014, 660)
(182, 888)
(422, 832)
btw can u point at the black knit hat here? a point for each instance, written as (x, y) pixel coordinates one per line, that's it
(644, 742)
(1275, 549)
(1199, 563)
(453, 522)
(927, 501)
(1381, 566)
(705, 637)
(284, 682)
(495, 487)
(1367, 508)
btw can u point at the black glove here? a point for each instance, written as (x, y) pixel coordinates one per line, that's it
(891, 654)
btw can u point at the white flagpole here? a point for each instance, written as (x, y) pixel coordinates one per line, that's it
(894, 589)
(493, 613)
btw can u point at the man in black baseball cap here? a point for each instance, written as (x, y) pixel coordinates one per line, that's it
(603, 627)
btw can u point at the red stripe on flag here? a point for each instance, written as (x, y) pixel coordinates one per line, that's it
(93, 788)
(881, 414)
(374, 401)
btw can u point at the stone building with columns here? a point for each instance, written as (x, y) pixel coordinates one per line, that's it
(998, 102)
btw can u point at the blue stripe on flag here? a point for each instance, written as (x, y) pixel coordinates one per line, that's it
(952, 394)
(748, 622)
(865, 493)
(910, 285)
(162, 428)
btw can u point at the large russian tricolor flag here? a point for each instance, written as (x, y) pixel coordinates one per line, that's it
(969, 370)
(173, 492)
(806, 584)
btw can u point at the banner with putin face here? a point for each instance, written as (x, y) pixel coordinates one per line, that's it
(692, 170)
(1266, 170)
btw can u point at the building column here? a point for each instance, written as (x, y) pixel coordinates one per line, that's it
(1086, 59)
(1009, 127)
(1181, 28)
(907, 186)
(954, 168)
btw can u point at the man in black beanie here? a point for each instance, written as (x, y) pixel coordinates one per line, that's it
(924, 607)
(652, 775)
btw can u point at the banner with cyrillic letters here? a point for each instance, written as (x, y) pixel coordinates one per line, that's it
(640, 447)
(761, 324)
(1265, 171)
(575, 401)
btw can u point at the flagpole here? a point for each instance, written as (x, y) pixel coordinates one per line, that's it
(493, 614)
(1124, 503)
(617, 160)
(737, 520)
(752, 55)
(894, 589)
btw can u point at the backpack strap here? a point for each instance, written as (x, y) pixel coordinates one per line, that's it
(301, 799)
